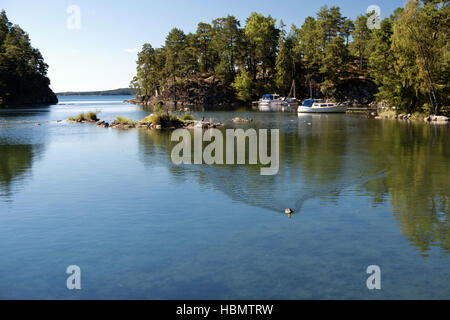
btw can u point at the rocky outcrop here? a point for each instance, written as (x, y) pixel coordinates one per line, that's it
(160, 126)
(33, 95)
(190, 92)
(438, 119)
(237, 119)
(357, 91)
(432, 119)
(209, 91)
(204, 125)
(102, 123)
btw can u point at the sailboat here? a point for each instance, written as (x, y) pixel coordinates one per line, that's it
(291, 100)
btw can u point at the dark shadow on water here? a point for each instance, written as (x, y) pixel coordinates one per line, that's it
(16, 162)
(21, 112)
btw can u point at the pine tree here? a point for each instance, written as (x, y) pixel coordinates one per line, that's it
(204, 37)
(285, 63)
(175, 45)
(23, 72)
(226, 43)
(361, 36)
(262, 37)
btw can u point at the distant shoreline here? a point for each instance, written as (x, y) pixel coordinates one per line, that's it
(115, 92)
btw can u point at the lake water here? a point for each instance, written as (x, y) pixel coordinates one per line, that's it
(365, 192)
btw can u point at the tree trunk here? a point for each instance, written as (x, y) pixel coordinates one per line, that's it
(360, 60)
(412, 104)
(174, 90)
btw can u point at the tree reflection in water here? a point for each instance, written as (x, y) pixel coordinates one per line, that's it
(16, 162)
(325, 156)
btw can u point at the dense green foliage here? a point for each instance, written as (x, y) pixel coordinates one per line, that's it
(23, 72)
(407, 57)
(410, 57)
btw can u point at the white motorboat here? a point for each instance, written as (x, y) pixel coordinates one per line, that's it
(321, 106)
(269, 101)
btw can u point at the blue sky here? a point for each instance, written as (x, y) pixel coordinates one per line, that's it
(101, 54)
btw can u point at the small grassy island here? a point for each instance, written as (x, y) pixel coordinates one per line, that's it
(85, 117)
(158, 120)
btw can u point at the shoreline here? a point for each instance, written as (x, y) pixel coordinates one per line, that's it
(432, 119)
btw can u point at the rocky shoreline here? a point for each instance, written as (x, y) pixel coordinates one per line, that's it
(166, 120)
(208, 91)
(183, 105)
(439, 119)
(37, 97)
(201, 90)
(152, 126)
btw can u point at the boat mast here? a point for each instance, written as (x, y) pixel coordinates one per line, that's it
(293, 83)
(292, 90)
(293, 76)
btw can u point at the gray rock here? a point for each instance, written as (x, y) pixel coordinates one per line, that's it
(441, 119)
(102, 123)
(237, 119)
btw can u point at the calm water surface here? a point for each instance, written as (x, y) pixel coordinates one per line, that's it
(365, 192)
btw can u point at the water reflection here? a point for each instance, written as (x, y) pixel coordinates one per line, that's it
(331, 156)
(277, 108)
(418, 185)
(16, 162)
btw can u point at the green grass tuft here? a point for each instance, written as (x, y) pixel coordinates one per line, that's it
(166, 119)
(157, 107)
(387, 113)
(187, 116)
(124, 120)
(89, 116)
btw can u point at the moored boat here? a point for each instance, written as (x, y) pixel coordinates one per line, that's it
(321, 106)
(270, 100)
(291, 100)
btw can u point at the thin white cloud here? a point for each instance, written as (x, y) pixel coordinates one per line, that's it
(132, 50)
